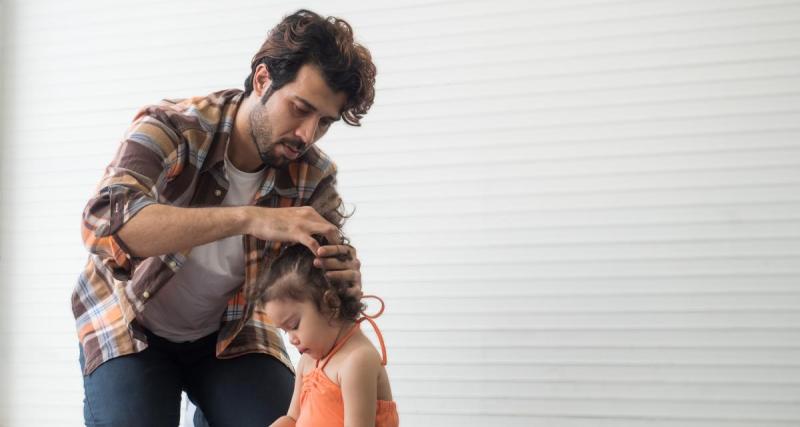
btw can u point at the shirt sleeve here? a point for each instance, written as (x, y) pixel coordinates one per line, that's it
(149, 156)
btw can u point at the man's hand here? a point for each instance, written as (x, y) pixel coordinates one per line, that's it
(342, 264)
(290, 225)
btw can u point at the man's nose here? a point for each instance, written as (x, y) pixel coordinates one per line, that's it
(307, 131)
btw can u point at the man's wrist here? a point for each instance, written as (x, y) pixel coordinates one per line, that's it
(242, 219)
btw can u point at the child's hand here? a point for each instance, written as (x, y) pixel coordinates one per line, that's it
(341, 264)
(284, 421)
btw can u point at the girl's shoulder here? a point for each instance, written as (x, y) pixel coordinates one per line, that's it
(363, 367)
(363, 353)
(360, 356)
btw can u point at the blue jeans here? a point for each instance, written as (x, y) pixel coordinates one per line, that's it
(144, 389)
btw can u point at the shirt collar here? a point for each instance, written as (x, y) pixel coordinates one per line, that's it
(223, 137)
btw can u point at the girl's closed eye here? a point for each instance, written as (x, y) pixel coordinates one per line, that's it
(291, 325)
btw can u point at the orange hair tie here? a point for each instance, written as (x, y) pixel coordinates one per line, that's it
(378, 314)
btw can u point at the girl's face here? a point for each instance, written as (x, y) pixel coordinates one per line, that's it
(308, 329)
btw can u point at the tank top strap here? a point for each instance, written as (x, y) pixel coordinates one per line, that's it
(338, 345)
(371, 320)
(380, 338)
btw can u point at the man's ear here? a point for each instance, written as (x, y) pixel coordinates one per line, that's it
(261, 80)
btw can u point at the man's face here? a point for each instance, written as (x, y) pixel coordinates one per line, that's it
(294, 117)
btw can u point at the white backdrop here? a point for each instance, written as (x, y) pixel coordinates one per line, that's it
(580, 213)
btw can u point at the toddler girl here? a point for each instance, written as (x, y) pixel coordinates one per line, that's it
(341, 379)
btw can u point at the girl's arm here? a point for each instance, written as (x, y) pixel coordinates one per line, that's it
(290, 418)
(359, 381)
(284, 421)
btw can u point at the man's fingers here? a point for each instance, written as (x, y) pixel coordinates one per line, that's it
(312, 223)
(351, 276)
(338, 251)
(321, 226)
(329, 232)
(334, 236)
(310, 243)
(356, 292)
(333, 264)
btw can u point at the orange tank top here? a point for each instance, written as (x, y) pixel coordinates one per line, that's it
(321, 403)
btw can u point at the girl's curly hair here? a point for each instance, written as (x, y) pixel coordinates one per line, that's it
(292, 275)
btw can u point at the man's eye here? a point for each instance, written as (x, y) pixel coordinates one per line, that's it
(299, 110)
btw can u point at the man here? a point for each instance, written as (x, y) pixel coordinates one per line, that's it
(200, 196)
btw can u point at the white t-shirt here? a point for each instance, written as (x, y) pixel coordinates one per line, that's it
(190, 305)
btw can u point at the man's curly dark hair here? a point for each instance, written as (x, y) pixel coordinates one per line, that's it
(307, 38)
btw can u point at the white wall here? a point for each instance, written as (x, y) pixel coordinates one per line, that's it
(581, 213)
(4, 241)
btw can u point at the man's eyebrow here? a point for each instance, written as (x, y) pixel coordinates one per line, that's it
(311, 107)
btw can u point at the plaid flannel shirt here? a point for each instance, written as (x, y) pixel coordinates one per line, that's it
(173, 153)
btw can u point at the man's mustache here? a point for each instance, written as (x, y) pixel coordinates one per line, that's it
(294, 144)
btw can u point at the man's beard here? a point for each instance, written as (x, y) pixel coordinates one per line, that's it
(262, 135)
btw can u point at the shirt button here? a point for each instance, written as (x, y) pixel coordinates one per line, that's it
(171, 264)
(145, 295)
(218, 192)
